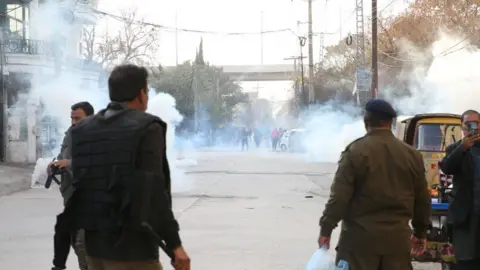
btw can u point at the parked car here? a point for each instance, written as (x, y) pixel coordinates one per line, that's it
(292, 140)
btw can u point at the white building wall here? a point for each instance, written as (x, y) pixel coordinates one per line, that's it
(21, 148)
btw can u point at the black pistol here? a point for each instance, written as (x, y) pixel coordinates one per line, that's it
(54, 171)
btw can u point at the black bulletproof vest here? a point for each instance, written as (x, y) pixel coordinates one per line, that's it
(103, 161)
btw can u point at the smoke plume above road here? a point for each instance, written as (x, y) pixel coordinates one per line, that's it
(52, 95)
(448, 85)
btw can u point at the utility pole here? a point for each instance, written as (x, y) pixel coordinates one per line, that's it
(311, 92)
(176, 37)
(374, 89)
(3, 104)
(298, 90)
(304, 93)
(261, 37)
(362, 76)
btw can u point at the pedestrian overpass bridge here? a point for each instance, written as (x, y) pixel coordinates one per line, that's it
(284, 72)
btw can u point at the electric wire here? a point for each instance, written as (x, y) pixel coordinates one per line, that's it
(170, 28)
(198, 31)
(443, 53)
(386, 6)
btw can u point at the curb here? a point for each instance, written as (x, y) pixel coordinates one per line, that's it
(15, 178)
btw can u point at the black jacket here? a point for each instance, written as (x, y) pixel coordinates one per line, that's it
(459, 163)
(137, 246)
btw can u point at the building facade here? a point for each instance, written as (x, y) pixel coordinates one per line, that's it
(40, 42)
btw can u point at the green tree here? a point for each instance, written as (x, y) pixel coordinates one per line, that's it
(204, 88)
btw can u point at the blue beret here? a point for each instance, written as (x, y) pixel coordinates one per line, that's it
(380, 106)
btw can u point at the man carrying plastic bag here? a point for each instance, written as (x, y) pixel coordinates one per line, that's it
(378, 188)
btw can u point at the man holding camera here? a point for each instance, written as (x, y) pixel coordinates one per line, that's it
(462, 161)
(63, 238)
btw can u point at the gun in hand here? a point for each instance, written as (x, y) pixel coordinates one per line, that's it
(52, 176)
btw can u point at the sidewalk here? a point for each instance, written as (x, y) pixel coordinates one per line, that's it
(14, 178)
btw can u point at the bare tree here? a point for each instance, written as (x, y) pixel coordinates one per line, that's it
(135, 42)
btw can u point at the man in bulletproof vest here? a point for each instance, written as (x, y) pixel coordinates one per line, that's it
(380, 185)
(122, 196)
(63, 237)
(462, 160)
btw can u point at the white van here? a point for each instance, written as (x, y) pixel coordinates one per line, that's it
(287, 141)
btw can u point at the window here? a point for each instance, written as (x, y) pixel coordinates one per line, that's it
(18, 17)
(436, 137)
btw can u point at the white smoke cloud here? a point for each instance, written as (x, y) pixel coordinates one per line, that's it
(68, 87)
(448, 85)
(164, 106)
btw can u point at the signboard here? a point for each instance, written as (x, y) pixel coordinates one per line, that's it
(363, 77)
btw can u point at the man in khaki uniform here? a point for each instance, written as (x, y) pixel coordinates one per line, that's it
(378, 188)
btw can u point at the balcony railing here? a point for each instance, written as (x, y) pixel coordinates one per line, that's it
(40, 47)
(27, 46)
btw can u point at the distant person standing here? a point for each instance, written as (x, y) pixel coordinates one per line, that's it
(257, 137)
(245, 136)
(379, 186)
(275, 137)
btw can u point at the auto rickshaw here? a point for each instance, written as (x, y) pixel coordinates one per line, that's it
(430, 134)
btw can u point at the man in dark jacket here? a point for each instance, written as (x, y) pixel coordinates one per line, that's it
(63, 238)
(245, 138)
(379, 186)
(122, 183)
(462, 160)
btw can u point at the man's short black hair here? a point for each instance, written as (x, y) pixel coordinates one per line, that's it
(126, 82)
(85, 106)
(377, 119)
(467, 112)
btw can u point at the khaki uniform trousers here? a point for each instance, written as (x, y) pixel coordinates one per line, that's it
(100, 264)
(365, 261)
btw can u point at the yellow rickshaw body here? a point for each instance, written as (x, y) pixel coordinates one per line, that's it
(430, 134)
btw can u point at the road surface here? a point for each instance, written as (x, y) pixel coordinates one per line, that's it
(237, 211)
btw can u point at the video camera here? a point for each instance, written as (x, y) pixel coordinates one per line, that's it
(54, 171)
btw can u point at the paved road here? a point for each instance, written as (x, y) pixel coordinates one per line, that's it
(238, 211)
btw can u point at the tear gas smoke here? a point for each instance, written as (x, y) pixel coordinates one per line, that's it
(164, 106)
(53, 97)
(161, 105)
(448, 85)
(329, 129)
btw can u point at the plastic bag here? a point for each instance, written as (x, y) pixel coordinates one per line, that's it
(320, 260)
